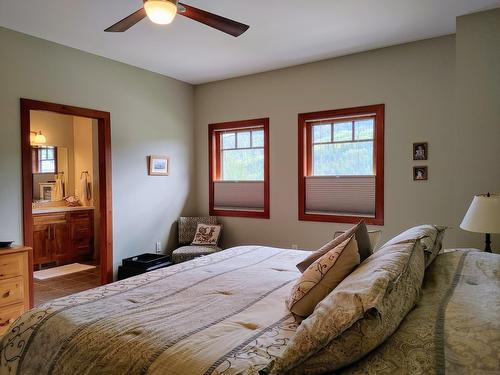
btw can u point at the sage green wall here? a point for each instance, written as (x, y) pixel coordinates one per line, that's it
(150, 114)
(445, 91)
(477, 125)
(416, 83)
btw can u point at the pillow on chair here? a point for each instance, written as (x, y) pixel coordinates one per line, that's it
(207, 235)
(187, 227)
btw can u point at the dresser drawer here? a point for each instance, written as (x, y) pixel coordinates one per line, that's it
(11, 291)
(11, 265)
(8, 315)
(49, 218)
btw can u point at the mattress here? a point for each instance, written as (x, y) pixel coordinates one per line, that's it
(225, 314)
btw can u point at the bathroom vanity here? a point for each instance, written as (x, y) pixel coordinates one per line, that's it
(62, 235)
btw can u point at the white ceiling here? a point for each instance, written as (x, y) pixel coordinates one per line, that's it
(282, 33)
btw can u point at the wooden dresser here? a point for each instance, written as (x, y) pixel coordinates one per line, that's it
(14, 284)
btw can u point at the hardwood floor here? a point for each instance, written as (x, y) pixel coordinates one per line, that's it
(57, 287)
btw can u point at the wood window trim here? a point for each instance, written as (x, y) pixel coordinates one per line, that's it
(105, 173)
(214, 165)
(305, 157)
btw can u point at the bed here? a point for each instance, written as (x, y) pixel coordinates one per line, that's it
(225, 314)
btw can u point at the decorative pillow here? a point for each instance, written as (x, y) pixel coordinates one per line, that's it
(187, 227)
(362, 239)
(321, 277)
(358, 315)
(373, 235)
(207, 235)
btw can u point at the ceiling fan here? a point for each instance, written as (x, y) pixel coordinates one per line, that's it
(163, 12)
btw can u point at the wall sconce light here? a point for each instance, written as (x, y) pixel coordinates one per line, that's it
(37, 138)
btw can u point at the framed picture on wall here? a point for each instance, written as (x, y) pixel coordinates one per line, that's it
(158, 165)
(420, 173)
(420, 151)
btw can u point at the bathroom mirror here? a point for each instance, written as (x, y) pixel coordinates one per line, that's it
(50, 163)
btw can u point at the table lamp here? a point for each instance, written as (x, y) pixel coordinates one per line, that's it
(483, 216)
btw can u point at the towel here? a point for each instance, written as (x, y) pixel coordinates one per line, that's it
(85, 191)
(58, 190)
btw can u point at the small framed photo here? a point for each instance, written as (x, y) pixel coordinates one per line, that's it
(420, 151)
(158, 165)
(420, 173)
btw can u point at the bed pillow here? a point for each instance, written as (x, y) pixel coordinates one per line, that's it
(438, 246)
(373, 235)
(362, 239)
(321, 277)
(206, 235)
(359, 314)
(430, 236)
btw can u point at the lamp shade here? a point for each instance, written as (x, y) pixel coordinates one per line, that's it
(483, 215)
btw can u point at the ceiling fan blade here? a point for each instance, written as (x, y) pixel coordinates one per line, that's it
(213, 20)
(127, 22)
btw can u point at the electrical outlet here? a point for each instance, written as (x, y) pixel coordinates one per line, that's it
(295, 246)
(158, 247)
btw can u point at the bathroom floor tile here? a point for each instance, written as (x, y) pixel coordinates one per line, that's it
(57, 287)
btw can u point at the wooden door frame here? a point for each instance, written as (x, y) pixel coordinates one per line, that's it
(105, 198)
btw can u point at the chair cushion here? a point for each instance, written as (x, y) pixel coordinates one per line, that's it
(187, 227)
(185, 253)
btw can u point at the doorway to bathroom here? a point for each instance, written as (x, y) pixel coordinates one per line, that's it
(67, 217)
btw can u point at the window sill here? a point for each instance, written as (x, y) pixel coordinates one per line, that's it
(240, 213)
(340, 218)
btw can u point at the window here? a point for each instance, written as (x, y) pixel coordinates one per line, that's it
(242, 155)
(239, 168)
(341, 165)
(45, 160)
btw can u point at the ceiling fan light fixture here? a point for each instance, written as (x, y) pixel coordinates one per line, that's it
(161, 12)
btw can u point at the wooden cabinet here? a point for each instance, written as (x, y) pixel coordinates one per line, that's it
(14, 285)
(63, 237)
(41, 243)
(60, 243)
(82, 233)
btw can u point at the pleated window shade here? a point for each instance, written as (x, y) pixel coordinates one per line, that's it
(239, 195)
(340, 195)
